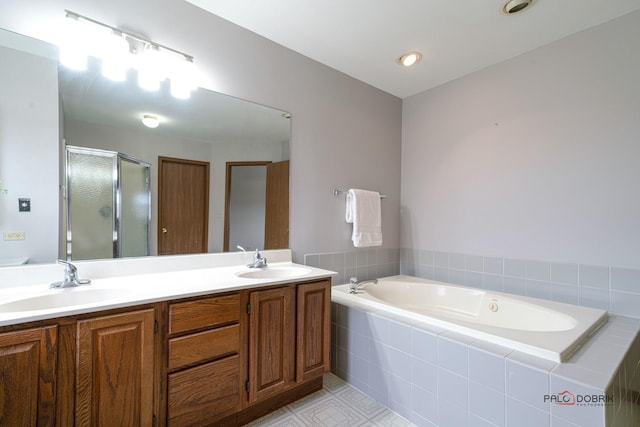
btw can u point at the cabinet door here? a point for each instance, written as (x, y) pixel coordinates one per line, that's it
(115, 367)
(314, 330)
(27, 372)
(271, 342)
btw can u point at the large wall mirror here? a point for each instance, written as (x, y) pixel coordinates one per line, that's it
(46, 108)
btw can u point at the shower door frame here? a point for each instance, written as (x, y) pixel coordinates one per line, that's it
(117, 192)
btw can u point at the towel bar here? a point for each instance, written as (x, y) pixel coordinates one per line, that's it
(337, 192)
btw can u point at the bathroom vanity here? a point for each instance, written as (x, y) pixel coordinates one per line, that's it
(188, 356)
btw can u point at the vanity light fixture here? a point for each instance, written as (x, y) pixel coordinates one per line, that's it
(120, 50)
(514, 6)
(409, 59)
(150, 121)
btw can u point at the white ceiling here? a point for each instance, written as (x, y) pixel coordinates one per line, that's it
(363, 38)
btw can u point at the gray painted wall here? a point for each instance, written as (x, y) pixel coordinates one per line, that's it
(344, 133)
(247, 207)
(535, 158)
(29, 130)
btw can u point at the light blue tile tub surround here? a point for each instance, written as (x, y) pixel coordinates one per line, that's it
(625, 279)
(369, 263)
(440, 378)
(486, 404)
(611, 288)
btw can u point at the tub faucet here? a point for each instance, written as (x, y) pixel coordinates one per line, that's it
(70, 277)
(258, 261)
(354, 285)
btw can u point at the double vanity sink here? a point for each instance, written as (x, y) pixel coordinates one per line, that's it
(179, 341)
(27, 303)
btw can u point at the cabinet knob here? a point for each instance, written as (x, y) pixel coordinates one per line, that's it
(164, 230)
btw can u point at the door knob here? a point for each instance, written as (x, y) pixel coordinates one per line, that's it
(164, 230)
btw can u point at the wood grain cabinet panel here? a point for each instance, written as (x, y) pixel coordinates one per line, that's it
(203, 383)
(115, 368)
(203, 346)
(203, 313)
(313, 345)
(201, 395)
(271, 342)
(118, 369)
(27, 377)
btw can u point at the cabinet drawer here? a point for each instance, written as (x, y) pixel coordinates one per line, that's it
(205, 393)
(203, 345)
(187, 316)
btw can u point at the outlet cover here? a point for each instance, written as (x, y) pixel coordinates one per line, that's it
(13, 235)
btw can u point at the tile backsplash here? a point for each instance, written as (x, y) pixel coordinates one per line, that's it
(364, 264)
(610, 288)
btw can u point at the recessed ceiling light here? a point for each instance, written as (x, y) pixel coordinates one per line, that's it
(150, 121)
(514, 6)
(409, 59)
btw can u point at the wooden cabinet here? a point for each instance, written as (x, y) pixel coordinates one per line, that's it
(289, 337)
(27, 372)
(213, 347)
(313, 344)
(204, 394)
(203, 313)
(218, 360)
(271, 342)
(115, 368)
(203, 360)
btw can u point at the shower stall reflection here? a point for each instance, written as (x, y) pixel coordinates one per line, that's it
(108, 204)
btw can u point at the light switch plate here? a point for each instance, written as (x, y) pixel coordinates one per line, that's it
(24, 205)
(13, 235)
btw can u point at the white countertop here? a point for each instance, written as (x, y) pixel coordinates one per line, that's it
(136, 289)
(7, 262)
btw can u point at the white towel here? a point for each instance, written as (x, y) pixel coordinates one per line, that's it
(363, 211)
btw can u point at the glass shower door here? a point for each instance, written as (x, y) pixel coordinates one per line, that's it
(135, 203)
(90, 198)
(108, 205)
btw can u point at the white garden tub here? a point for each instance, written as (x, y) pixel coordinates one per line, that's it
(546, 329)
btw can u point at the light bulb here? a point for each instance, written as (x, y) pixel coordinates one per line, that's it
(115, 57)
(73, 46)
(183, 78)
(150, 121)
(409, 59)
(150, 70)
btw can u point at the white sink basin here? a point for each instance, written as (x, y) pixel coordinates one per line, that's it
(274, 273)
(61, 299)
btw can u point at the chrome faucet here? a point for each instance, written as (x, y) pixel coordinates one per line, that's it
(354, 285)
(70, 277)
(258, 261)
